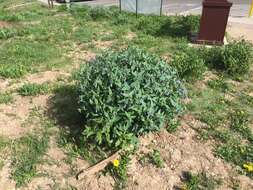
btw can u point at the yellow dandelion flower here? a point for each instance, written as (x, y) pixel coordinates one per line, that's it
(116, 163)
(248, 167)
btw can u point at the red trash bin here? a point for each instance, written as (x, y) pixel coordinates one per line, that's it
(213, 22)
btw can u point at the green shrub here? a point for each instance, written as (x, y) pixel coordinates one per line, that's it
(237, 57)
(188, 63)
(126, 94)
(175, 26)
(234, 59)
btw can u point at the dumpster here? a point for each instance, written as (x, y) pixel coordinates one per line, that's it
(213, 23)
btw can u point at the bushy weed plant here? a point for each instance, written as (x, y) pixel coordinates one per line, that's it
(189, 64)
(234, 59)
(125, 94)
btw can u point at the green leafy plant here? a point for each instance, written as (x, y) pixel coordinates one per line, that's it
(125, 94)
(156, 159)
(189, 64)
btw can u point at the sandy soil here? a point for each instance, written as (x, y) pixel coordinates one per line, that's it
(239, 30)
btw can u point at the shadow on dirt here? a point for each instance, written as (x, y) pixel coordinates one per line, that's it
(63, 108)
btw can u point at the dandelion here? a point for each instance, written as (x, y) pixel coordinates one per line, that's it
(116, 163)
(248, 167)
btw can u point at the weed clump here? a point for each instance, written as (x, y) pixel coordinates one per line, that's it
(200, 181)
(125, 94)
(234, 59)
(189, 64)
(33, 89)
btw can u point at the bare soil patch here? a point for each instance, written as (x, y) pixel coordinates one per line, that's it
(5, 181)
(47, 76)
(12, 116)
(240, 31)
(4, 24)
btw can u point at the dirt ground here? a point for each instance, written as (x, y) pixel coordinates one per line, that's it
(181, 151)
(239, 30)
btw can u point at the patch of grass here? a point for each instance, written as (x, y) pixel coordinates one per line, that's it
(33, 89)
(6, 16)
(219, 84)
(5, 98)
(199, 182)
(208, 105)
(84, 34)
(57, 30)
(239, 120)
(227, 122)
(1, 164)
(237, 153)
(3, 143)
(30, 12)
(153, 44)
(22, 56)
(246, 99)
(27, 153)
(6, 33)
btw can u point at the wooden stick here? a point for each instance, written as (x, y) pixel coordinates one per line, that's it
(97, 167)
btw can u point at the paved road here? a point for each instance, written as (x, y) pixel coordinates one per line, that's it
(240, 8)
